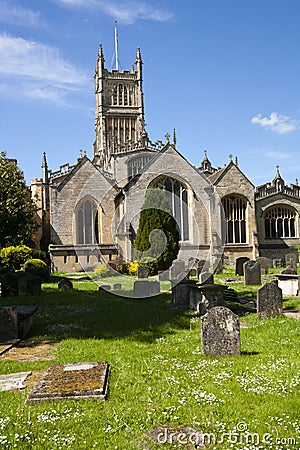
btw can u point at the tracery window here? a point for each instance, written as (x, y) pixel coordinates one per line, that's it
(280, 222)
(178, 198)
(136, 165)
(87, 226)
(235, 209)
(121, 96)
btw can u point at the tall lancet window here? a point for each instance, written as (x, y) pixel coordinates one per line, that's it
(178, 199)
(235, 209)
(87, 223)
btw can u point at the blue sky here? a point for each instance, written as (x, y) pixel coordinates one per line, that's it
(224, 73)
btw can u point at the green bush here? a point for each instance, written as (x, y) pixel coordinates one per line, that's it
(39, 254)
(13, 257)
(37, 267)
(102, 271)
(132, 268)
(151, 263)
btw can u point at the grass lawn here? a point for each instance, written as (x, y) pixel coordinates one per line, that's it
(158, 375)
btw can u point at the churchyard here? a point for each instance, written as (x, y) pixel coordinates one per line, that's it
(162, 391)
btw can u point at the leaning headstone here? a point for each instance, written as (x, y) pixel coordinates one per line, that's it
(220, 330)
(177, 269)
(143, 272)
(293, 256)
(265, 264)
(252, 273)
(239, 265)
(269, 301)
(9, 327)
(65, 285)
(206, 278)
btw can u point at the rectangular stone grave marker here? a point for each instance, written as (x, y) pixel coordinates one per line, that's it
(13, 381)
(269, 301)
(143, 272)
(252, 273)
(72, 382)
(220, 330)
(239, 265)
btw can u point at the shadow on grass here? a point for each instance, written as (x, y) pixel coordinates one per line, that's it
(102, 315)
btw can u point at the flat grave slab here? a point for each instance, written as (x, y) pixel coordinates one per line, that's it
(7, 345)
(13, 381)
(83, 380)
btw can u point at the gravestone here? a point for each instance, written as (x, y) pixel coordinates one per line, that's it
(269, 301)
(292, 256)
(239, 265)
(265, 264)
(289, 271)
(143, 272)
(177, 270)
(81, 380)
(220, 330)
(65, 285)
(35, 285)
(24, 282)
(252, 273)
(13, 381)
(104, 287)
(163, 275)
(206, 278)
(145, 288)
(9, 326)
(181, 293)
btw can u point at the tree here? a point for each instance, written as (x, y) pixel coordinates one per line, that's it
(17, 208)
(157, 236)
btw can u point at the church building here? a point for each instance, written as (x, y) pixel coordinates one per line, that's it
(89, 211)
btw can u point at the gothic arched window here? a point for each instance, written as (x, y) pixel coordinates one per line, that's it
(87, 223)
(280, 222)
(235, 209)
(178, 198)
(121, 96)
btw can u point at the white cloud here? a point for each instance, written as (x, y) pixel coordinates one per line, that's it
(41, 72)
(18, 15)
(277, 155)
(127, 11)
(278, 123)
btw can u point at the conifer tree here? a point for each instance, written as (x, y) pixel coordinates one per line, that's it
(17, 209)
(157, 236)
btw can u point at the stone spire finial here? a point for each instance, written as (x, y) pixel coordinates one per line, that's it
(167, 136)
(297, 182)
(230, 156)
(174, 137)
(236, 161)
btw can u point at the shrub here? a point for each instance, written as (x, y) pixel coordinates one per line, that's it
(132, 268)
(102, 271)
(39, 254)
(151, 263)
(37, 267)
(13, 257)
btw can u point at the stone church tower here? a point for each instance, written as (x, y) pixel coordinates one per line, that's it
(119, 122)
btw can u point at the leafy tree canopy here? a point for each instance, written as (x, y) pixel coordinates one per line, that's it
(157, 236)
(17, 209)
